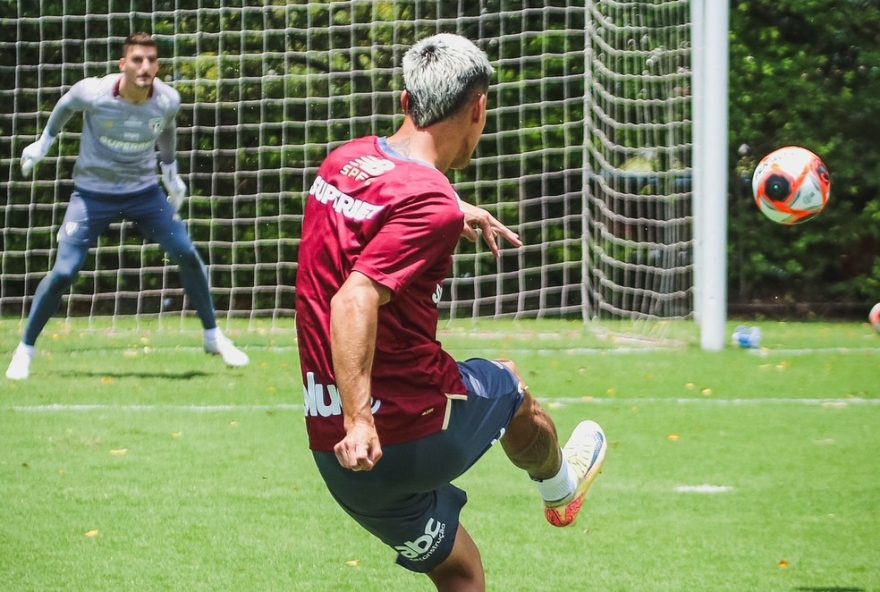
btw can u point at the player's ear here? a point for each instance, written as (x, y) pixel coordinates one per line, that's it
(122, 63)
(478, 106)
(404, 102)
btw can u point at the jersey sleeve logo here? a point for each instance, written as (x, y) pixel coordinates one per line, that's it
(438, 294)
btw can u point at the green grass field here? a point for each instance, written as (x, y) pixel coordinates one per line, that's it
(131, 461)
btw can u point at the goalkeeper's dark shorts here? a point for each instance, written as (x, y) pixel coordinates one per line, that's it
(407, 500)
(89, 214)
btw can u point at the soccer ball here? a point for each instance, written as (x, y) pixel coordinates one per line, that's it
(874, 317)
(791, 185)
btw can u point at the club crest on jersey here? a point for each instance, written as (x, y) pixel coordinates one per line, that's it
(157, 124)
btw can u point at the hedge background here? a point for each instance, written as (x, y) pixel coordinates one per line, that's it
(804, 72)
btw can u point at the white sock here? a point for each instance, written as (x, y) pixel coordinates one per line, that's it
(560, 486)
(29, 349)
(212, 334)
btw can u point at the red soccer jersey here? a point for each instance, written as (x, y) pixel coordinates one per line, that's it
(398, 222)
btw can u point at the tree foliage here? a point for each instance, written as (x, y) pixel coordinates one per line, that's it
(807, 73)
(803, 72)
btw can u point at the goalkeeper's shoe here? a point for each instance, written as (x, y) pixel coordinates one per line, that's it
(20, 366)
(585, 453)
(222, 346)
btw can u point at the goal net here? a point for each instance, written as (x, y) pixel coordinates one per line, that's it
(585, 154)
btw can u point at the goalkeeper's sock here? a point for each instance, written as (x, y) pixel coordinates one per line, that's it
(217, 343)
(559, 487)
(28, 349)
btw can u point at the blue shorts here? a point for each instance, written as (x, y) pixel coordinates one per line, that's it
(89, 214)
(407, 500)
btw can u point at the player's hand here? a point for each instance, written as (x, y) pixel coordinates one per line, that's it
(34, 153)
(173, 183)
(360, 450)
(491, 229)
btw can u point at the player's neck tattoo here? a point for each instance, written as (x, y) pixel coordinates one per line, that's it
(402, 147)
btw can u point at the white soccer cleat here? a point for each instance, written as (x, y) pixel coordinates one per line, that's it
(20, 365)
(585, 453)
(223, 347)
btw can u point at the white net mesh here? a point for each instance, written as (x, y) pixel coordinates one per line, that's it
(585, 150)
(639, 177)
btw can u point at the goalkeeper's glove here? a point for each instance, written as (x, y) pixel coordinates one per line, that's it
(174, 185)
(36, 152)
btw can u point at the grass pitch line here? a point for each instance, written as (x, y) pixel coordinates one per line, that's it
(550, 403)
(805, 351)
(829, 403)
(486, 352)
(704, 489)
(85, 408)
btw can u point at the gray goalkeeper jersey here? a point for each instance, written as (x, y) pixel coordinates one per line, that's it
(117, 151)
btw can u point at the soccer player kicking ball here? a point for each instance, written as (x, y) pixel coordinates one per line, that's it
(125, 117)
(392, 418)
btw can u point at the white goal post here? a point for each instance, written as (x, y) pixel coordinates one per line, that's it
(587, 150)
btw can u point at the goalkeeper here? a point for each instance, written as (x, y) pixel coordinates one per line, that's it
(125, 117)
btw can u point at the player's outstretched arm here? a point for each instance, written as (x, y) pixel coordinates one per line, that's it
(354, 317)
(64, 109)
(491, 229)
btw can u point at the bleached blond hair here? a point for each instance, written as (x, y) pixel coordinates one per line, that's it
(441, 73)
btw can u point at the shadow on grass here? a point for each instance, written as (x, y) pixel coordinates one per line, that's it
(827, 589)
(188, 375)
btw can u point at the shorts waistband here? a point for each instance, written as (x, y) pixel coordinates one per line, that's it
(100, 195)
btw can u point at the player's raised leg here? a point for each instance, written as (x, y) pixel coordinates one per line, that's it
(563, 476)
